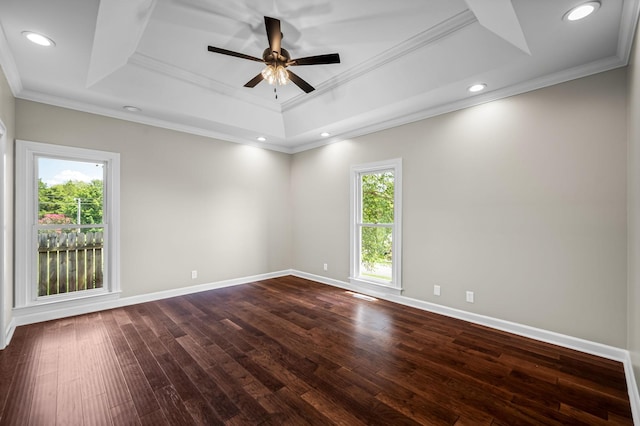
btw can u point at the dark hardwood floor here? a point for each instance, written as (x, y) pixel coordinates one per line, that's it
(291, 351)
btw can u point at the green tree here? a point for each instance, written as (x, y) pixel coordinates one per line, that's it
(377, 208)
(65, 198)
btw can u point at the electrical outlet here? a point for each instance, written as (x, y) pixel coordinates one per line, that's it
(326, 267)
(436, 290)
(194, 275)
(470, 296)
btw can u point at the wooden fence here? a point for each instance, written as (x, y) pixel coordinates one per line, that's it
(69, 262)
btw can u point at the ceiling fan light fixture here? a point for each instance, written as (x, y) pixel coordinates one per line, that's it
(275, 75)
(282, 76)
(582, 11)
(38, 39)
(269, 74)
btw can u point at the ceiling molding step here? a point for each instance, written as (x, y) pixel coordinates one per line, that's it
(564, 76)
(432, 35)
(155, 65)
(499, 17)
(141, 119)
(628, 24)
(120, 25)
(549, 80)
(8, 65)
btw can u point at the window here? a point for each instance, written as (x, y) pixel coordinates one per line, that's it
(376, 216)
(67, 223)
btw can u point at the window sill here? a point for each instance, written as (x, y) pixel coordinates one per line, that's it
(375, 286)
(52, 309)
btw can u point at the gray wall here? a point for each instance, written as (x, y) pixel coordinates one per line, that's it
(522, 200)
(7, 115)
(188, 202)
(633, 343)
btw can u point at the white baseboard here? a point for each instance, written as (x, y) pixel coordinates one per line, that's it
(632, 386)
(8, 333)
(24, 316)
(594, 348)
(582, 345)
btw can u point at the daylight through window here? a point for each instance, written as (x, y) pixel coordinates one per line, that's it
(70, 228)
(376, 249)
(67, 220)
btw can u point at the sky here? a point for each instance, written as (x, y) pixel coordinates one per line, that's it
(53, 171)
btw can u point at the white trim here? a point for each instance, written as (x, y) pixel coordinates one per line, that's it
(8, 65)
(360, 285)
(164, 68)
(628, 24)
(355, 207)
(429, 36)
(140, 118)
(377, 125)
(594, 348)
(26, 153)
(8, 333)
(24, 316)
(632, 386)
(570, 342)
(598, 349)
(3, 231)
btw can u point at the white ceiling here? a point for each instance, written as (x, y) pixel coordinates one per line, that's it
(401, 61)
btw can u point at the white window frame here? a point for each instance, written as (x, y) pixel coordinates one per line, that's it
(356, 278)
(27, 153)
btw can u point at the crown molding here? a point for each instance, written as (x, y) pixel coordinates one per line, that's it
(142, 119)
(8, 65)
(563, 76)
(430, 36)
(420, 104)
(422, 114)
(628, 24)
(166, 69)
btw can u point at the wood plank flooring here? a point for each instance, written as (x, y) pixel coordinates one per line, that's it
(291, 351)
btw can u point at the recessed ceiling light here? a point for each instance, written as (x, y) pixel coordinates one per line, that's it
(582, 11)
(262, 139)
(38, 39)
(131, 108)
(325, 134)
(479, 87)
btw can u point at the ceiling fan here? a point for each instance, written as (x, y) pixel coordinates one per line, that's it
(278, 59)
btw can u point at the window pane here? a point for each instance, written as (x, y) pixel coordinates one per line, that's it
(375, 252)
(377, 197)
(70, 192)
(69, 260)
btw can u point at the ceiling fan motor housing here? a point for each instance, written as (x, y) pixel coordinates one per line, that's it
(275, 59)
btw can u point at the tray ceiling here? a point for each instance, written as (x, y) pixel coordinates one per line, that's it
(401, 61)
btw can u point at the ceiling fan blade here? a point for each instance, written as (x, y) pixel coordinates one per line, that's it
(300, 82)
(331, 58)
(274, 34)
(231, 53)
(254, 81)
